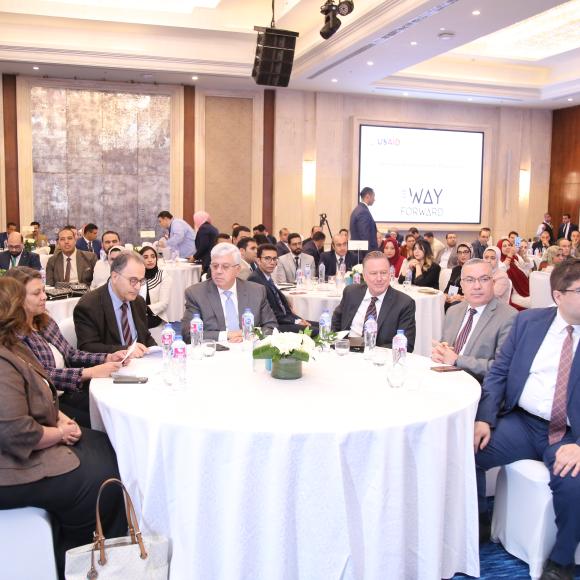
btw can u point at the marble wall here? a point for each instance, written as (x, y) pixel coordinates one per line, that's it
(101, 157)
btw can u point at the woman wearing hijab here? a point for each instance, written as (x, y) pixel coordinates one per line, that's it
(453, 291)
(501, 283)
(520, 298)
(157, 288)
(393, 253)
(554, 256)
(205, 237)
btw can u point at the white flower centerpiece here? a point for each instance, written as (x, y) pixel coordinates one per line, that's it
(287, 350)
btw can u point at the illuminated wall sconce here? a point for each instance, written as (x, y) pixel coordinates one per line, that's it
(308, 178)
(525, 178)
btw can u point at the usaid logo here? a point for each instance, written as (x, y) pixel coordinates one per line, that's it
(394, 141)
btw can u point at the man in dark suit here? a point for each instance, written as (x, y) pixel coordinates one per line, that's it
(16, 256)
(530, 409)
(337, 256)
(70, 265)
(282, 245)
(89, 242)
(362, 223)
(114, 315)
(10, 227)
(315, 247)
(393, 310)
(221, 301)
(475, 329)
(567, 227)
(287, 321)
(480, 245)
(261, 229)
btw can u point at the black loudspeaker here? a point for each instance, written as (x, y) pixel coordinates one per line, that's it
(274, 56)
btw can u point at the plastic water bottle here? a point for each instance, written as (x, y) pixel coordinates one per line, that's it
(324, 329)
(299, 278)
(167, 338)
(308, 275)
(342, 269)
(370, 335)
(408, 278)
(321, 273)
(392, 273)
(196, 330)
(356, 279)
(397, 375)
(248, 324)
(43, 276)
(179, 360)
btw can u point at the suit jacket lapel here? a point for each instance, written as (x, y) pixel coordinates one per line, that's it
(110, 318)
(243, 301)
(216, 304)
(481, 323)
(535, 334)
(354, 305)
(58, 267)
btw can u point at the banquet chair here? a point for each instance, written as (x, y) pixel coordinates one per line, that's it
(523, 516)
(26, 540)
(67, 327)
(444, 276)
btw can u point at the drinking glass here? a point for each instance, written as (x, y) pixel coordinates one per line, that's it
(342, 347)
(208, 347)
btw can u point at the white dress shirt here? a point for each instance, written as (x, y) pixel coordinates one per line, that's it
(356, 328)
(16, 261)
(223, 334)
(476, 317)
(538, 394)
(444, 258)
(74, 277)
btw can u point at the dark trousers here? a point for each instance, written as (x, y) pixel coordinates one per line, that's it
(71, 498)
(516, 436)
(75, 404)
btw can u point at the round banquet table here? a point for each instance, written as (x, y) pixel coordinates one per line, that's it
(183, 275)
(540, 293)
(429, 311)
(60, 310)
(326, 477)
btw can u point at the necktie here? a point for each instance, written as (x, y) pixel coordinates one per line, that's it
(558, 417)
(340, 261)
(13, 260)
(371, 310)
(67, 271)
(464, 332)
(297, 260)
(90, 246)
(566, 230)
(232, 322)
(277, 295)
(127, 338)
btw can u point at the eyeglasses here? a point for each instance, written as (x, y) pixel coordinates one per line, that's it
(224, 267)
(17, 247)
(482, 280)
(572, 290)
(134, 281)
(269, 259)
(463, 252)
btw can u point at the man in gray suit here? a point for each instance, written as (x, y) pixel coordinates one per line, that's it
(285, 272)
(474, 331)
(222, 300)
(70, 265)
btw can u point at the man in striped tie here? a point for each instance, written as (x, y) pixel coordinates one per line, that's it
(474, 330)
(530, 409)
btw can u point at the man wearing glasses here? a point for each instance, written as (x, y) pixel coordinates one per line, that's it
(221, 301)
(267, 260)
(16, 256)
(530, 409)
(475, 329)
(114, 316)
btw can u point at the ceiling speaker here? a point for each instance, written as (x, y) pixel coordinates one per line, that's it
(274, 56)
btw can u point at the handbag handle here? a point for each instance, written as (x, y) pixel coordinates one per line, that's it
(134, 530)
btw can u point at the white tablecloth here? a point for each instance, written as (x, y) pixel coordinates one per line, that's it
(61, 309)
(428, 316)
(333, 476)
(183, 275)
(540, 293)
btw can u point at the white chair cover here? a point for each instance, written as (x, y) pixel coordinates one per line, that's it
(67, 327)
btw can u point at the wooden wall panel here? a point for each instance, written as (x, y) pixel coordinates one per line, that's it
(188, 153)
(565, 166)
(10, 148)
(268, 173)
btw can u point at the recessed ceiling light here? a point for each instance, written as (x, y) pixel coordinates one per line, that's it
(405, 94)
(370, 62)
(413, 43)
(469, 99)
(442, 28)
(334, 80)
(35, 67)
(476, 12)
(194, 78)
(570, 99)
(446, 35)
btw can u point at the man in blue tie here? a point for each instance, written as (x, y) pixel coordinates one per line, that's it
(221, 301)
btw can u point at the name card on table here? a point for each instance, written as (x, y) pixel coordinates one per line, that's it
(145, 234)
(358, 245)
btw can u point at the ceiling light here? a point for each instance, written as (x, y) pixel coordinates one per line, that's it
(405, 94)
(334, 80)
(345, 7)
(469, 99)
(570, 99)
(413, 43)
(194, 78)
(370, 62)
(476, 12)
(446, 35)
(331, 20)
(442, 28)
(35, 67)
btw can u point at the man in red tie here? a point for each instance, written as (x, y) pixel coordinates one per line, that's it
(530, 409)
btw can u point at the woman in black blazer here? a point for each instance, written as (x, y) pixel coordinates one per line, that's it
(425, 272)
(205, 238)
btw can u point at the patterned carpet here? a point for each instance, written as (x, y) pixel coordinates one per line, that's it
(496, 563)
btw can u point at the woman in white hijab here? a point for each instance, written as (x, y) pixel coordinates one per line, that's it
(501, 282)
